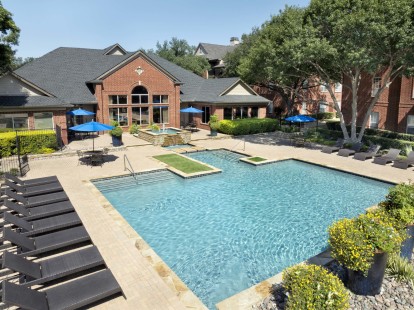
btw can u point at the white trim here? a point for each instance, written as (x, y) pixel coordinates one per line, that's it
(239, 81)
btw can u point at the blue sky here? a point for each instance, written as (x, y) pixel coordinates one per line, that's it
(49, 24)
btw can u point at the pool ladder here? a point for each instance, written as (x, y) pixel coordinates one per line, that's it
(130, 169)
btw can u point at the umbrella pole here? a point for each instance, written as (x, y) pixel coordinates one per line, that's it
(93, 143)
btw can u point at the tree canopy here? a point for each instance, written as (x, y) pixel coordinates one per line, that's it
(181, 53)
(9, 37)
(333, 41)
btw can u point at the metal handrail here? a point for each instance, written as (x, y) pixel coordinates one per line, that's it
(244, 145)
(126, 168)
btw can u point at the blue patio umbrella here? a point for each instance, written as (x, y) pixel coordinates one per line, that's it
(92, 127)
(80, 112)
(191, 110)
(300, 119)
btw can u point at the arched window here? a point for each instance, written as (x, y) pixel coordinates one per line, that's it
(139, 95)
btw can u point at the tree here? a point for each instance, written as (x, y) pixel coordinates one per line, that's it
(9, 36)
(360, 36)
(181, 53)
(19, 62)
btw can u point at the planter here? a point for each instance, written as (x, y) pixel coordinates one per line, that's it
(116, 141)
(371, 284)
(213, 133)
(407, 246)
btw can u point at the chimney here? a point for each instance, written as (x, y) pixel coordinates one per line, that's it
(234, 41)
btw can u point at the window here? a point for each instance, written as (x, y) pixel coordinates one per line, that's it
(374, 120)
(228, 113)
(376, 84)
(140, 116)
(410, 124)
(241, 112)
(160, 114)
(118, 99)
(322, 106)
(160, 99)
(139, 95)
(43, 120)
(304, 109)
(205, 115)
(119, 115)
(14, 121)
(323, 88)
(338, 87)
(254, 112)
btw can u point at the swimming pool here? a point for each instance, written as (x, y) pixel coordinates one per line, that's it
(226, 232)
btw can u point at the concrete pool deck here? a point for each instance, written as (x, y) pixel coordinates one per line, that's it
(141, 283)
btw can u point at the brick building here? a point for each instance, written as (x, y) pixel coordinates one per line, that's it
(128, 87)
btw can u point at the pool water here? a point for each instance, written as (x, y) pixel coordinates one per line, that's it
(169, 131)
(226, 232)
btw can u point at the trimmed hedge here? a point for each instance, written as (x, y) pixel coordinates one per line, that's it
(247, 126)
(323, 115)
(31, 142)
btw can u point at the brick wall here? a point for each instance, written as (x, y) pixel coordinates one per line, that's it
(124, 80)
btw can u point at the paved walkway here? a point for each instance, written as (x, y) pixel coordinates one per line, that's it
(141, 284)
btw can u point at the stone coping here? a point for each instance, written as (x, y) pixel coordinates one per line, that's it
(255, 294)
(184, 294)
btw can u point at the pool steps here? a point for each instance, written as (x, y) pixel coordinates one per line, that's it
(130, 181)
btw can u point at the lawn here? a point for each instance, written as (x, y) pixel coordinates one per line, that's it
(256, 159)
(183, 164)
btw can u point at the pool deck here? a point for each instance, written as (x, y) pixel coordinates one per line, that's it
(142, 284)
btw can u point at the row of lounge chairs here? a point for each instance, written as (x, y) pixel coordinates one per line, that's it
(372, 152)
(38, 229)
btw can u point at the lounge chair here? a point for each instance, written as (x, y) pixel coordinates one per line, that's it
(330, 149)
(347, 152)
(387, 158)
(45, 243)
(31, 182)
(44, 225)
(32, 273)
(371, 152)
(71, 295)
(35, 190)
(40, 211)
(37, 200)
(405, 163)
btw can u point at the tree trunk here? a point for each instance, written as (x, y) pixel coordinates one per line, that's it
(338, 110)
(354, 86)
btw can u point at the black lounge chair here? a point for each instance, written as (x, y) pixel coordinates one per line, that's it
(71, 295)
(387, 158)
(32, 182)
(44, 225)
(41, 244)
(33, 273)
(40, 211)
(35, 190)
(405, 163)
(330, 149)
(354, 148)
(37, 200)
(372, 152)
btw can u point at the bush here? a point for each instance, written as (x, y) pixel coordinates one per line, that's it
(116, 132)
(323, 115)
(247, 126)
(400, 269)
(133, 129)
(355, 241)
(399, 203)
(387, 143)
(313, 287)
(31, 142)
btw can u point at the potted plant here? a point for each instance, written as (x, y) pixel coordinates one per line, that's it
(116, 134)
(214, 124)
(313, 287)
(399, 204)
(361, 245)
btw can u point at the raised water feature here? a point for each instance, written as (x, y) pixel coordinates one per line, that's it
(166, 136)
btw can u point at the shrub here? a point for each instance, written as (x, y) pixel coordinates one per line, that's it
(133, 129)
(323, 115)
(155, 127)
(247, 126)
(116, 132)
(400, 269)
(355, 241)
(31, 142)
(399, 203)
(313, 287)
(46, 150)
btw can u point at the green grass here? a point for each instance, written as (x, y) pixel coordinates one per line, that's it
(181, 163)
(256, 159)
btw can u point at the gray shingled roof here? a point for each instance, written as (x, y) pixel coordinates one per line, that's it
(216, 51)
(31, 102)
(64, 72)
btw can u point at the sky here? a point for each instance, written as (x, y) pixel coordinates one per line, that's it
(134, 24)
